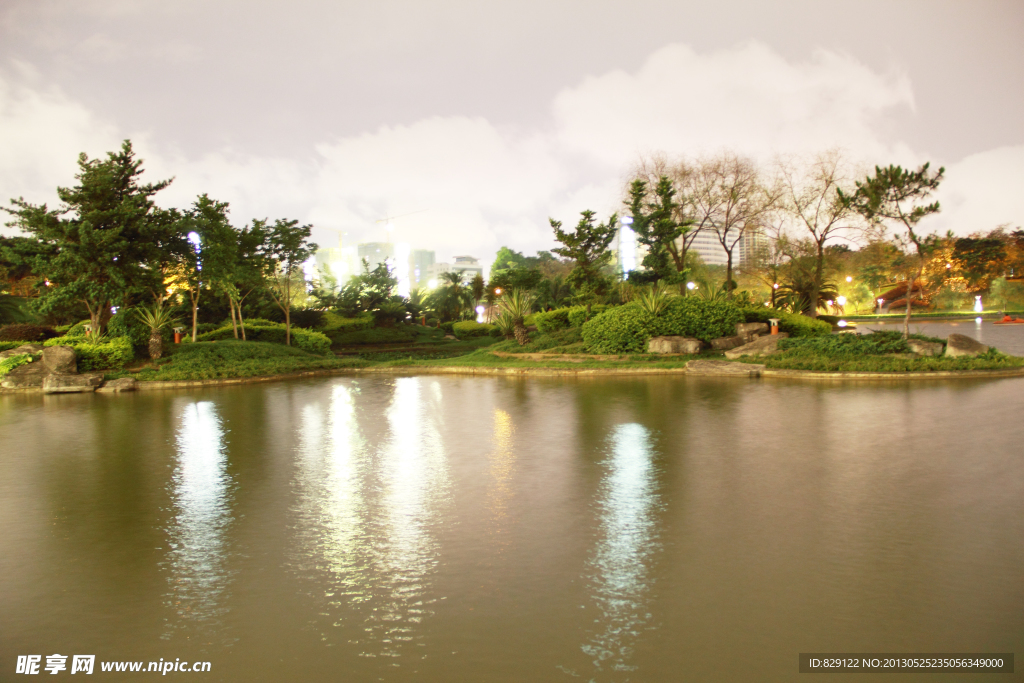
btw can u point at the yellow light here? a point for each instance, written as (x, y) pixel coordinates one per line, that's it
(497, 290)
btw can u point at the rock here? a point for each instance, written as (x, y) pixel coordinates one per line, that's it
(24, 348)
(925, 348)
(60, 360)
(673, 344)
(751, 331)
(451, 336)
(23, 376)
(962, 345)
(72, 384)
(724, 367)
(762, 346)
(122, 384)
(724, 343)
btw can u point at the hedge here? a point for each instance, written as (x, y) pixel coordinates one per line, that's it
(471, 328)
(578, 314)
(374, 335)
(794, 324)
(332, 322)
(112, 354)
(307, 340)
(552, 321)
(627, 328)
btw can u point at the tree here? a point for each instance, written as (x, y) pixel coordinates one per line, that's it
(107, 243)
(659, 226)
(451, 297)
(729, 198)
(587, 247)
(477, 286)
(896, 196)
(284, 251)
(811, 200)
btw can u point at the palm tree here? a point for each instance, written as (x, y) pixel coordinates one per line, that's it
(518, 304)
(451, 297)
(654, 299)
(156, 319)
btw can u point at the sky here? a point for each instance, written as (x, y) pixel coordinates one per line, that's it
(470, 123)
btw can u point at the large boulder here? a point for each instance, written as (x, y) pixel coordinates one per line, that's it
(25, 376)
(725, 343)
(24, 348)
(925, 348)
(962, 345)
(121, 384)
(751, 331)
(60, 360)
(762, 346)
(72, 384)
(673, 344)
(723, 367)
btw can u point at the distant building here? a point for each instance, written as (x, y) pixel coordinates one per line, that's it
(469, 265)
(422, 260)
(337, 263)
(376, 253)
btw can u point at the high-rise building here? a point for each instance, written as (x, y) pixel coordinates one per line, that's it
(421, 262)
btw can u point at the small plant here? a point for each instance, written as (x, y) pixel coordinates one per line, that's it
(653, 299)
(505, 325)
(517, 304)
(156, 319)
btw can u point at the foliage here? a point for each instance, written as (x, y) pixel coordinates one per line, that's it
(860, 356)
(26, 332)
(234, 358)
(587, 247)
(848, 344)
(578, 314)
(308, 318)
(653, 299)
(5, 345)
(470, 328)
(628, 328)
(1008, 294)
(550, 321)
(799, 290)
(373, 335)
(517, 305)
(283, 253)
(332, 322)
(107, 242)
(389, 313)
(658, 227)
(559, 341)
(793, 324)
(505, 325)
(11, 362)
(276, 333)
(451, 298)
(111, 353)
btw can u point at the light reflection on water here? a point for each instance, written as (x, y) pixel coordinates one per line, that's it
(200, 491)
(620, 565)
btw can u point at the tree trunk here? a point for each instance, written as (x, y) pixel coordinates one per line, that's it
(521, 334)
(234, 325)
(156, 344)
(241, 319)
(906, 318)
(195, 314)
(728, 275)
(819, 269)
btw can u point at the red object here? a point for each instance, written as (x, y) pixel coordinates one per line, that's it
(177, 337)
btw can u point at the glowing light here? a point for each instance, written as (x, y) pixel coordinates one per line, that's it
(497, 291)
(627, 247)
(431, 284)
(830, 302)
(627, 220)
(775, 286)
(841, 323)
(691, 286)
(849, 278)
(480, 314)
(978, 308)
(978, 320)
(193, 237)
(841, 300)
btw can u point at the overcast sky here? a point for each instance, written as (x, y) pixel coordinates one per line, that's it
(485, 118)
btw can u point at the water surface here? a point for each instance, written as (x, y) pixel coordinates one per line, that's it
(494, 529)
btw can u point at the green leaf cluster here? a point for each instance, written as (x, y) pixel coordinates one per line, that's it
(11, 362)
(471, 328)
(113, 353)
(628, 328)
(793, 324)
(275, 333)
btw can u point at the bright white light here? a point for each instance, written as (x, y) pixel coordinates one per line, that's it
(829, 302)
(480, 314)
(193, 237)
(402, 251)
(849, 278)
(841, 323)
(431, 284)
(627, 220)
(693, 285)
(627, 247)
(309, 269)
(841, 300)
(978, 320)
(977, 305)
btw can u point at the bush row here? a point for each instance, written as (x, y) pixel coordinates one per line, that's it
(112, 354)
(471, 328)
(794, 324)
(628, 328)
(373, 335)
(564, 318)
(275, 333)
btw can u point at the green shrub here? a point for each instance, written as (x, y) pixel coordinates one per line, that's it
(578, 314)
(550, 321)
(307, 318)
(374, 335)
(793, 324)
(26, 332)
(127, 324)
(5, 345)
(78, 329)
(332, 322)
(275, 333)
(471, 328)
(628, 328)
(448, 327)
(432, 322)
(113, 353)
(11, 362)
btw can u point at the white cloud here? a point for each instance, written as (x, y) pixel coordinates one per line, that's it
(471, 186)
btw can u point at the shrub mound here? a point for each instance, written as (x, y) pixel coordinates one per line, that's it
(113, 353)
(373, 335)
(794, 324)
(625, 329)
(578, 314)
(307, 340)
(471, 328)
(26, 332)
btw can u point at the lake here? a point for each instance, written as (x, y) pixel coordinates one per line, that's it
(445, 528)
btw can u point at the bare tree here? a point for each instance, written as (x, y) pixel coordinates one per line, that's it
(811, 203)
(729, 197)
